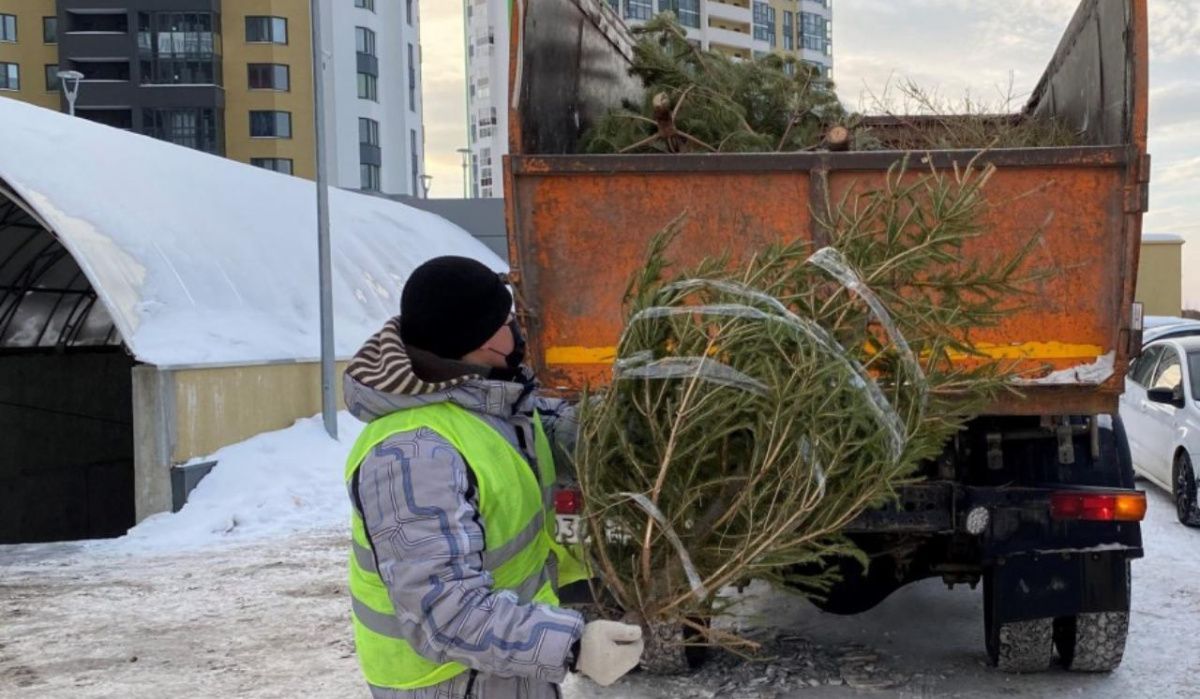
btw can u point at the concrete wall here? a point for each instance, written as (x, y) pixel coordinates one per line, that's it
(66, 460)
(1160, 277)
(187, 413)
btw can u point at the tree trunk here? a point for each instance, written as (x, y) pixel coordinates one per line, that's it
(664, 653)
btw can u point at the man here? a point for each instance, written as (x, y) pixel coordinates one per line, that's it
(454, 573)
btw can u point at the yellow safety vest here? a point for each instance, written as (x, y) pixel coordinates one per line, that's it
(518, 515)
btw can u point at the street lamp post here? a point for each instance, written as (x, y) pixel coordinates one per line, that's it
(466, 154)
(426, 181)
(69, 81)
(324, 261)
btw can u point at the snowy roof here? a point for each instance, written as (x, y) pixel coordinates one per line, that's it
(197, 259)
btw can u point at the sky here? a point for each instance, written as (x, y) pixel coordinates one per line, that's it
(988, 51)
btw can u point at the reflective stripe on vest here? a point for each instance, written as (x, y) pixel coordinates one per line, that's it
(517, 536)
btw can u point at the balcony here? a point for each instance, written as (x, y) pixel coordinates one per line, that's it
(816, 56)
(731, 39)
(817, 7)
(729, 12)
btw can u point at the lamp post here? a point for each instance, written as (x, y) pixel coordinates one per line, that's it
(324, 262)
(69, 81)
(426, 181)
(466, 153)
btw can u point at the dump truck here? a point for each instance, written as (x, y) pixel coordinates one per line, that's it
(1035, 498)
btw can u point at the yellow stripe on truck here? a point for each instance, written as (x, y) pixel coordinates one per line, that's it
(581, 355)
(1025, 350)
(1035, 350)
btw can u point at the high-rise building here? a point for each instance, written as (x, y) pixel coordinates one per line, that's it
(234, 78)
(739, 28)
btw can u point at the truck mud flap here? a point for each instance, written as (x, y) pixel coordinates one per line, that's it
(1031, 587)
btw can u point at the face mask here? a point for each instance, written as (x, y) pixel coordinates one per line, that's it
(517, 356)
(512, 360)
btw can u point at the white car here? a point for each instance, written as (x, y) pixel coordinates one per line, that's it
(1162, 327)
(1161, 411)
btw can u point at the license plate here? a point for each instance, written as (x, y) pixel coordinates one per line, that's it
(566, 529)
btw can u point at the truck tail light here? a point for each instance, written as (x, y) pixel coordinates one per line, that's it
(1099, 507)
(567, 501)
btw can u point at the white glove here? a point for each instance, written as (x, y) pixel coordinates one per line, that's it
(608, 650)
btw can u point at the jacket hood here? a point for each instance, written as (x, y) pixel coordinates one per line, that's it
(386, 376)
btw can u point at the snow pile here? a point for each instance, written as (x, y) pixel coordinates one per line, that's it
(271, 484)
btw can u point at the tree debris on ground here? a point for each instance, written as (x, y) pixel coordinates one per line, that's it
(758, 406)
(698, 101)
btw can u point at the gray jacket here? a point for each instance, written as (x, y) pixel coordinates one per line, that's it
(419, 505)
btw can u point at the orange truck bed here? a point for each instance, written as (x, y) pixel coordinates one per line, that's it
(579, 224)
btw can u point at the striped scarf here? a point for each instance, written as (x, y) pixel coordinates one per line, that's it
(383, 363)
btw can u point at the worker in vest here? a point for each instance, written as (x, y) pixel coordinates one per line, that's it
(453, 570)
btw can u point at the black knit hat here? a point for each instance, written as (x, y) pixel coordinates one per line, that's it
(451, 306)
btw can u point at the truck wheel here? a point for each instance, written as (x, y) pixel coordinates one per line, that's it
(1186, 506)
(1093, 642)
(1016, 646)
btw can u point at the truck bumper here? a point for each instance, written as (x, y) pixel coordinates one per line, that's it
(1018, 522)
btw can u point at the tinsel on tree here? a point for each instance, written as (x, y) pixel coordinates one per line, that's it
(759, 406)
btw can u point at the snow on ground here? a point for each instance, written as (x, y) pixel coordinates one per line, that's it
(188, 605)
(271, 484)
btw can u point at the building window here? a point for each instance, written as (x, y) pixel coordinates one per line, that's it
(370, 178)
(50, 30)
(178, 48)
(764, 23)
(364, 41)
(686, 11)
(368, 87)
(10, 76)
(814, 33)
(365, 4)
(412, 79)
(368, 132)
(639, 9)
(191, 127)
(53, 82)
(8, 28)
(789, 31)
(111, 71)
(283, 165)
(270, 124)
(266, 30)
(98, 21)
(116, 118)
(416, 163)
(269, 76)
(408, 11)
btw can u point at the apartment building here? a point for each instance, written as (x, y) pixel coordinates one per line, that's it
(740, 28)
(234, 78)
(747, 28)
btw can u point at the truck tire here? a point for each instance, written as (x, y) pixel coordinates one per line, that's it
(1022, 646)
(1187, 508)
(1016, 646)
(1093, 642)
